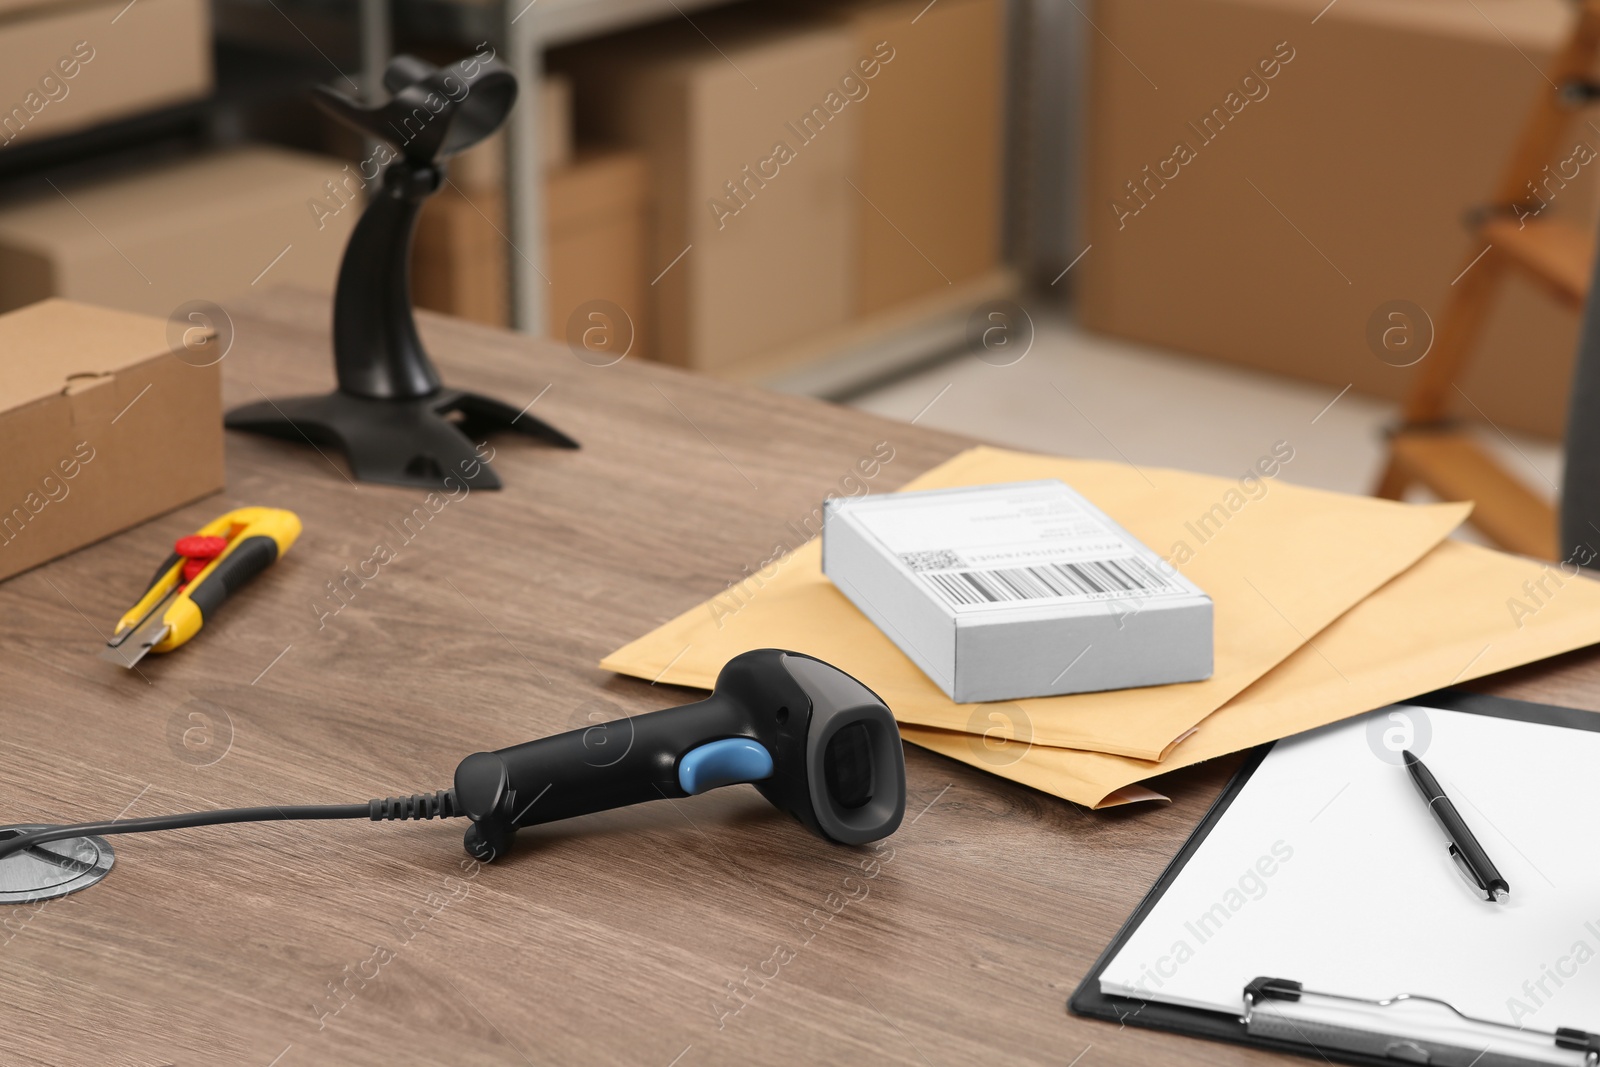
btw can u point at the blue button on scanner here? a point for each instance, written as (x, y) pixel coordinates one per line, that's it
(725, 762)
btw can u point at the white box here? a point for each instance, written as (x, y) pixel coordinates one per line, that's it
(1000, 592)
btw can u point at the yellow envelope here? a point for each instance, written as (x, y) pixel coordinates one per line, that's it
(1280, 562)
(1460, 613)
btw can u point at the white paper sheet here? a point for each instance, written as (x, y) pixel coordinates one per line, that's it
(1328, 869)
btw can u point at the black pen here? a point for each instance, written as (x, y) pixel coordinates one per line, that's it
(1470, 857)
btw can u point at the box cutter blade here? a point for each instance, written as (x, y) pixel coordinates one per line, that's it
(173, 608)
(129, 646)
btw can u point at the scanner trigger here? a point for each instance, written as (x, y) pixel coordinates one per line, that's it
(725, 762)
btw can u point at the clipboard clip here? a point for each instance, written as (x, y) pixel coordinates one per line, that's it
(1401, 1049)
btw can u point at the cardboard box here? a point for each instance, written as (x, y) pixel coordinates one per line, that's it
(102, 426)
(1341, 188)
(595, 218)
(1005, 592)
(67, 66)
(212, 229)
(458, 258)
(930, 133)
(740, 263)
(598, 235)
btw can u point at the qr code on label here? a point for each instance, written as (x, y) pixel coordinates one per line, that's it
(936, 560)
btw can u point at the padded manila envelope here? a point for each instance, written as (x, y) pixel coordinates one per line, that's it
(1280, 562)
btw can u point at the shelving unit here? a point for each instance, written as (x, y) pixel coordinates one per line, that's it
(245, 78)
(527, 32)
(307, 41)
(521, 31)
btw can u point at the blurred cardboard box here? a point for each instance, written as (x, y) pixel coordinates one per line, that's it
(458, 257)
(596, 237)
(65, 66)
(930, 133)
(753, 217)
(102, 427)
(598, 231)
(1309, 197)
(212, 228)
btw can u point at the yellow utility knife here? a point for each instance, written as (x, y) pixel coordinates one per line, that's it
(205, 570)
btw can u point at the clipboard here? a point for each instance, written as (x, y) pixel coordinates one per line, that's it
(1245, 1026)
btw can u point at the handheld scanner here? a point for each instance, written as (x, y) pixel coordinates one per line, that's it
(813, 740)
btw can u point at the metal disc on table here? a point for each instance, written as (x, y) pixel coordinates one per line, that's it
(53, 869)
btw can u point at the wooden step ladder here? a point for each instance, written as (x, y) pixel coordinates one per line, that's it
(1430, 448)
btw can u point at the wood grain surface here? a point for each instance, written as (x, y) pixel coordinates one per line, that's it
(712, 930)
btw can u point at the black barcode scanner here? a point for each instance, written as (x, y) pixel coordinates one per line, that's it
(815, 742)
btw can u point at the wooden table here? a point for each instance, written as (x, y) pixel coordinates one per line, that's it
(709, 930)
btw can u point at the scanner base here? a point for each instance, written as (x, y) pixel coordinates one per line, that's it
(411, 442)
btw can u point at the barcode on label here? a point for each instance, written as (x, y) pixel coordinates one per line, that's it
(1094, 579)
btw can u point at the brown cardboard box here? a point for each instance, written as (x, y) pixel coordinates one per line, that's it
(598, 234)
(101, 426)
(212, 228)
(930, 133)
(64, 66)
(1340, 189)
(740, 264)
(595, 215)
(458, 257)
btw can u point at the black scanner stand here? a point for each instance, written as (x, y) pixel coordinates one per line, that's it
(392, 416)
